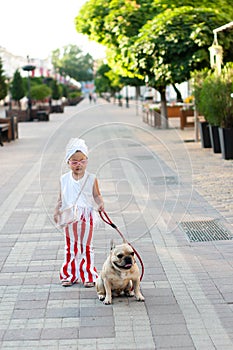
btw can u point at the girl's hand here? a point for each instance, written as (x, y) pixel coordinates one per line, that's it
(101, 207)
(97, 196)
(56, 217)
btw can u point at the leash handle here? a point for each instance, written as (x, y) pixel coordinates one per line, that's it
(107, 219)
(104, 216)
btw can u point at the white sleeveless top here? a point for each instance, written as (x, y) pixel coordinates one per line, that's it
(79, 193)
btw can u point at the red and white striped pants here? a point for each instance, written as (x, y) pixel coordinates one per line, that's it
(79, 253)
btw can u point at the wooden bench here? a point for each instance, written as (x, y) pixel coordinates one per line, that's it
(9, 128)
(173, 111)
(185, 114)
(151, 115)
(3, 129)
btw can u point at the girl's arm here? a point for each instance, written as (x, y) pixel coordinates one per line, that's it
(97, 196)
(57, 208)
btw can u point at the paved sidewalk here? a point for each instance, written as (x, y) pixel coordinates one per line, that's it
(153, 184)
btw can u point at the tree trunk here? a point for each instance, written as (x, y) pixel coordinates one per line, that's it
(137, 96)
(178, 94)
(164, 108)
(138, 92)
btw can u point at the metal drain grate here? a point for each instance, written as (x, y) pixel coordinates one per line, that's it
(201, 231)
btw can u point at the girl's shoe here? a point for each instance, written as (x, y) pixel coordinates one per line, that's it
(89, 284)
(66, 283)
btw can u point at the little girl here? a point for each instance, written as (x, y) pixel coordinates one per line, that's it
(78, 188)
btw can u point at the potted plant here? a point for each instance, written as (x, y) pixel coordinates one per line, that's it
(57, 107)
(198, 78)
(211, 107)
(226, 127)
(216, 104)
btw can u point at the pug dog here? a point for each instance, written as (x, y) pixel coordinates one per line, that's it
(119, 274)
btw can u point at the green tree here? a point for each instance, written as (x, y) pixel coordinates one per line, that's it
(107, 80)
(110, 21)
(164, 40)
(3, 85)
(116, 83)
(102, 82)
(17, 87)
(56, 90)
(179, 44)
(71, 61)
(65, 91)
(40, 92)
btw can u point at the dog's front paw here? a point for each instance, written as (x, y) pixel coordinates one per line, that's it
(107, 301)
(140, 297)
(101, 297)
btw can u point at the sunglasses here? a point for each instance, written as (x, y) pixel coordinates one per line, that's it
(76, 162)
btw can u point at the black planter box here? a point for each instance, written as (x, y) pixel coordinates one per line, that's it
(57, 109)
(226, 141)
(214, 138)
(205, 134)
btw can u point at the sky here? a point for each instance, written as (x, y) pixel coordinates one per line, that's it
(35, 28)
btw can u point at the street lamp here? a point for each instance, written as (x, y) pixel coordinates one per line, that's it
(216, 51)
(29, 68)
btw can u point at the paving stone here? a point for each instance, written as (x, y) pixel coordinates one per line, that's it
(96, 321)
(63, 312)
(22, 334)
(65, 294)
(166, 318)
(171, 329)
(36, 313)
(171, 341)
(97, 311)
(31, 304)
(33, 296)
(96, 332)
(60, 333)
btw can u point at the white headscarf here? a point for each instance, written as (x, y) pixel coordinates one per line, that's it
(74, 145)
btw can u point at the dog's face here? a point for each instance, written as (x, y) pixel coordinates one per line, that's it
(122, 256)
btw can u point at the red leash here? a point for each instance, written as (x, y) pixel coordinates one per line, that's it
(108, 221)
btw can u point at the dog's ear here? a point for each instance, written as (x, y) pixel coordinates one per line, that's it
(112, 244)
(124, 241)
